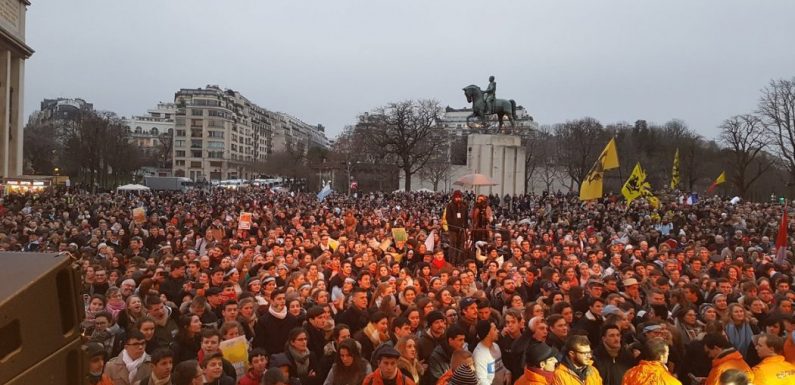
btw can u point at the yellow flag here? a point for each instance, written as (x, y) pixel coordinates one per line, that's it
(675, 172)
(609, 156)
(634, 186)
(591, 187)
(721, 178)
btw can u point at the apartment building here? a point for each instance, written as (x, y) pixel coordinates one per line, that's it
(220, 134)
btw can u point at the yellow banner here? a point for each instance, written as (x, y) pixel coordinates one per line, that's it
(675, 172)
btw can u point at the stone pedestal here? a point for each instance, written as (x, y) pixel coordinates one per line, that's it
(501, 157)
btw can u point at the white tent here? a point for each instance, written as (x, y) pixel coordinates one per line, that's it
(132, 187)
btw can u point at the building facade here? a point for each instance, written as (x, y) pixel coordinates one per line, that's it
(153, 133)
(13, 53)
(220, 134)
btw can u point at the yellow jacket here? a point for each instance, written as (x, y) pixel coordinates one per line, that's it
(565, 376)
(531, 378)
(774, 370)
(733, 360)
(649, 373)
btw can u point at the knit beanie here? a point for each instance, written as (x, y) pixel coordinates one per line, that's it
(464, 376)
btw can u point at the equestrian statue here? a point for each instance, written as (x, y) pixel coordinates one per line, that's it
(485, 104)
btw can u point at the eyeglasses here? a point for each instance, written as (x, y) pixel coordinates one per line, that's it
(588, 353)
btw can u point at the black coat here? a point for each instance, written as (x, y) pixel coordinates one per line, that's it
(271, 333)
(612, 369)
(438, 363)
(353, 317)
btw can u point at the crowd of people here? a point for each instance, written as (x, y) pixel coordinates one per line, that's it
(418, 288)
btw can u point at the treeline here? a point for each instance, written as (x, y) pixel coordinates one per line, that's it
(756, 150)
(92, 147)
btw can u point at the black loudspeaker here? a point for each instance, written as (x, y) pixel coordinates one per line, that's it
(40, 312)
(66, 366)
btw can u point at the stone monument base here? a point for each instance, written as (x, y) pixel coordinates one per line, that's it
(501, 157)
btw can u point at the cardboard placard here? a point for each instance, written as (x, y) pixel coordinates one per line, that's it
(244, 223)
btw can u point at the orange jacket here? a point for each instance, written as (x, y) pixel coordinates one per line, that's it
(733, 360)
(531, 378)
(445, 378)
(649, 373)
(789, 349)
(565, 376)
(774, 370)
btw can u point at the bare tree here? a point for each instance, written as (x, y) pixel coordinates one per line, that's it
(744, 135)
(691, 151)
(404, 133)
(164, 149)
(436, 170)
(581, 141)
(41, 148)
(777, 110)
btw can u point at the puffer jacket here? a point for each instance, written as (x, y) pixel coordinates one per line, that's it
(730, 359)
(565, 376)
(649, 373)
(774, 370)
(531, 378)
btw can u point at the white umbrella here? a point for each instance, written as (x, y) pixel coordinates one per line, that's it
(132, 187)
(475, 180)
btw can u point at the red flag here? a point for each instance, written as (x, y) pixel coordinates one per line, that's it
(781, 238)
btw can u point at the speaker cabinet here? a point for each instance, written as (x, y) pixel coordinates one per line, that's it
(40, 310)
(67, 366)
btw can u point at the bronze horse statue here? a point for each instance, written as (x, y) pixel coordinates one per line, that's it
(501, 107)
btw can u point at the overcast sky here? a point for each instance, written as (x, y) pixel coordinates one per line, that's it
(327, 61)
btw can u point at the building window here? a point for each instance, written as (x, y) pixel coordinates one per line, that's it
(215, 144)
(179, 121)
(180, 153)
(196, 153)
(179, 162)
(138, 129)
(179, 143)
(196, 143)
(155, 131)
(196, 112)
(179, 132)
(196, 123)
(195, 164)
(215, 134)
(215, 154)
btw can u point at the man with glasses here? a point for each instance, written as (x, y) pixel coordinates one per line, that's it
(577, 365)
(132, 365)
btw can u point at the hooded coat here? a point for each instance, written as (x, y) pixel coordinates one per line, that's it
(649, 373)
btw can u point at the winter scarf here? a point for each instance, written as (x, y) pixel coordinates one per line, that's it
(301, 361)
(280, 315)
(374, 335)
(547, 375)
(132, 365)
(740, 336)
(116, 308)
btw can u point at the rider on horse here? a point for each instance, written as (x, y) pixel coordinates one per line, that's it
(490, 94)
